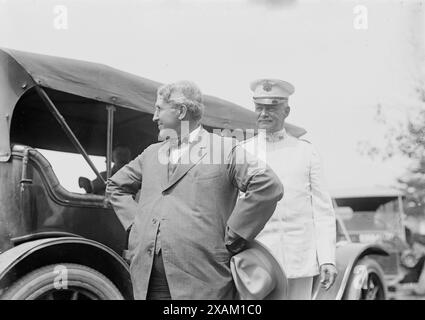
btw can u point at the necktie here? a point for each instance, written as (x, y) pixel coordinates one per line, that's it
(171, 169)
(171, 165)
(175, 144)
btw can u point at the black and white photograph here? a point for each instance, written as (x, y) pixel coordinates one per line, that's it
(229, 151)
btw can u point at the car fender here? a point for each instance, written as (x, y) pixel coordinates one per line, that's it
(347, 255)
(28, 256)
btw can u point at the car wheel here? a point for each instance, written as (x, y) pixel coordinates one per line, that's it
(366, 282)
(63, 282)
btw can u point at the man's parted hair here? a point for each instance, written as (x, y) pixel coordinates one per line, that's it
(184, 93)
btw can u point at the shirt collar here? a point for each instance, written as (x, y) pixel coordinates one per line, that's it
(193, 135)
(186, 139)
(276, 136)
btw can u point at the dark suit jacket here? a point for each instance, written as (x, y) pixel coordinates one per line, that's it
(192, 210)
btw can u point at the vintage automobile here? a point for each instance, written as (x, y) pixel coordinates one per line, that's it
(359, 276)
(376, 218)
(62, 245)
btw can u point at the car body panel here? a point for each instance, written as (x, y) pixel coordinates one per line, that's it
(347, 255)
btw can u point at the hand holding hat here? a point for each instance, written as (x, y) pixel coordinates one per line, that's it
(258, 275)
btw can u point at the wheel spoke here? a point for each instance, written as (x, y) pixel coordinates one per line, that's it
(372, 282)
(373, 287)
(373, 293)
(75, 295)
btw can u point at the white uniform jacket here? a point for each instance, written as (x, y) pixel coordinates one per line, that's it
(302, 231)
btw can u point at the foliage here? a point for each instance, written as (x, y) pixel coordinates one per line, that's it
(406, 139)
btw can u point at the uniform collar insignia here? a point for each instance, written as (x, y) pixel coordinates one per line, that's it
(276, 136)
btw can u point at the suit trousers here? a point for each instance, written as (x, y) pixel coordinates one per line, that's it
(158, 286)
(300, 288)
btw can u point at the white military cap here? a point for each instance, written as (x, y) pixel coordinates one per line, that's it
(271, 91)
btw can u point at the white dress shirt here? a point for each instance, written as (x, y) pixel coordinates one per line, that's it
(177, 152)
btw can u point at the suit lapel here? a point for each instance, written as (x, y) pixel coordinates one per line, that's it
(197, 150)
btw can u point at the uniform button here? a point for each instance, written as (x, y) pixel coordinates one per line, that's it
(149, 251)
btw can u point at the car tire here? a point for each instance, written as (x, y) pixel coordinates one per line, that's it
(366, 282)
(63, 282)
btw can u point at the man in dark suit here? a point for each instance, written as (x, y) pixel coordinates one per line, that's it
(187, 223)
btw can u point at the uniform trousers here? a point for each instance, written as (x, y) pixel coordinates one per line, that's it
(300, 288)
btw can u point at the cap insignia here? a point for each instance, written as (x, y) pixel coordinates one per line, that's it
(267, 86)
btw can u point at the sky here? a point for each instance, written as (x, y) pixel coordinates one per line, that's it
(343, 57)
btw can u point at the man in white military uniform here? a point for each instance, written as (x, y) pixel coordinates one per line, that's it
(301, 233)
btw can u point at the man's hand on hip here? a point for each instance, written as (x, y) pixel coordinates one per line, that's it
(328, 275)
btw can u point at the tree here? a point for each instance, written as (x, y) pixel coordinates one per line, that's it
(407, 139)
